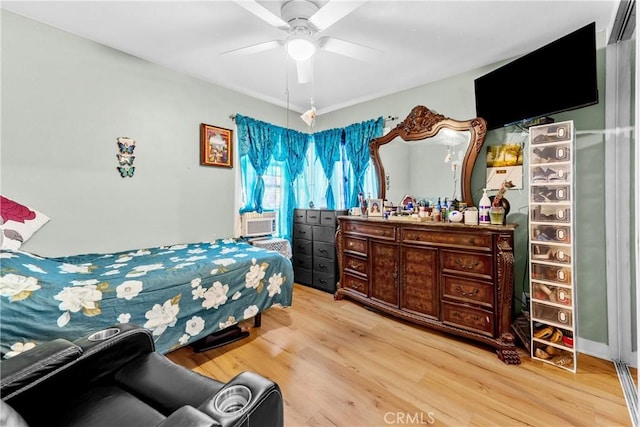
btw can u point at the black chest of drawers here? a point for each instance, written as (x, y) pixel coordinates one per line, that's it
(314, 251)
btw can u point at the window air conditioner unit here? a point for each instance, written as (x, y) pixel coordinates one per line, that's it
(258, 224)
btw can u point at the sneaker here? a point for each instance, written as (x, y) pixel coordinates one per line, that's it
(540, 253)
(545, 154)
(551, 175)
(538, 175)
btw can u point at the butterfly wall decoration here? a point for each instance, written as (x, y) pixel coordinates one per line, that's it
(126, 171)
(125, 156)
(126, 149)
(125, 159)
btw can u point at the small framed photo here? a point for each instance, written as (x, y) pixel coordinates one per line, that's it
(216, 146)
(375, 207)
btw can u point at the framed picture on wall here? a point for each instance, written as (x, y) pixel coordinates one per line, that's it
(216, 146)
(375, 207)
(504, 163)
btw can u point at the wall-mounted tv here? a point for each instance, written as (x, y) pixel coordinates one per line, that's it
(557, 77)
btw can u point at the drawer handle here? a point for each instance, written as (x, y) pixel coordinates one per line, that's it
(324, 251)
(470, 266)
(466, 316)
(324, 282)
(355, 265)
(322, 266)
(300, 246)
(473, 293)
(350, 244)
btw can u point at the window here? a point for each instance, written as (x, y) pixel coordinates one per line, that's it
(281, 195)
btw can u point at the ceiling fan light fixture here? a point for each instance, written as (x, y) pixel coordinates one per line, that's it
(300, 47)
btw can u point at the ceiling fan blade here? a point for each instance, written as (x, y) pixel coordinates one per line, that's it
(349, 49)
(256, 48)
(332, 12)
(305, 70)
(262, 12)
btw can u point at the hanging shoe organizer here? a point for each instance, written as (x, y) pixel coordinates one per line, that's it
(551, 240)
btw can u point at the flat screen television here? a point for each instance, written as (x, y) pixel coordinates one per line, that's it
(558, 77)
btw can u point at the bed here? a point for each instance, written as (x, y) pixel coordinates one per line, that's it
(182, 293)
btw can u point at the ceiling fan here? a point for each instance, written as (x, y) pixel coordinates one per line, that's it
(302, 20)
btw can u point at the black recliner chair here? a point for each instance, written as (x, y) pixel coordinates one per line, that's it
(114, 378)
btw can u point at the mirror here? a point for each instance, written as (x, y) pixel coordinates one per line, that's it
(428, 155)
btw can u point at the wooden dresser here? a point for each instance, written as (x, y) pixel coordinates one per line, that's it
(454, 278)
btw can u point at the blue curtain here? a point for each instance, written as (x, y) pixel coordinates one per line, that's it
(327, 145)
(257, 140)
(356, 140)
(294, 146)
(262, 144)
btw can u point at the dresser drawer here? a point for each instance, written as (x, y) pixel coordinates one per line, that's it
(479, 265)
(469, 318)
(324, 281)
(355, 245)
(324, 249)
(313, 216)
(370, 229)
(324, 234)
(464, 289)
(302, 231)
(299, 215)
(324, 265)
(302, 247)
(328, 218)
(355, 283)
(302, 261)
(453, 238)
(355, 264)
(302, 276)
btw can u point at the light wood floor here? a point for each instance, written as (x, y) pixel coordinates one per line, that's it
(339, 364)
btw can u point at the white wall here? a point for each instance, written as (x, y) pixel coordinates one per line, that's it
(65, 100)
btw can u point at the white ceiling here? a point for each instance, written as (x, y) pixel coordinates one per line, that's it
(420, 41)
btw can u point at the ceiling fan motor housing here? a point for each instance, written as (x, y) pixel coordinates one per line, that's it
(297, 13)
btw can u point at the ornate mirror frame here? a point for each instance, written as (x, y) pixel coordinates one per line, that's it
(423, 123)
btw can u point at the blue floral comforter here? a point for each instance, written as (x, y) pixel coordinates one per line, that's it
(181, 293)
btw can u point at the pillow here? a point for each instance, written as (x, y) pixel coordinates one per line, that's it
(18, 223)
